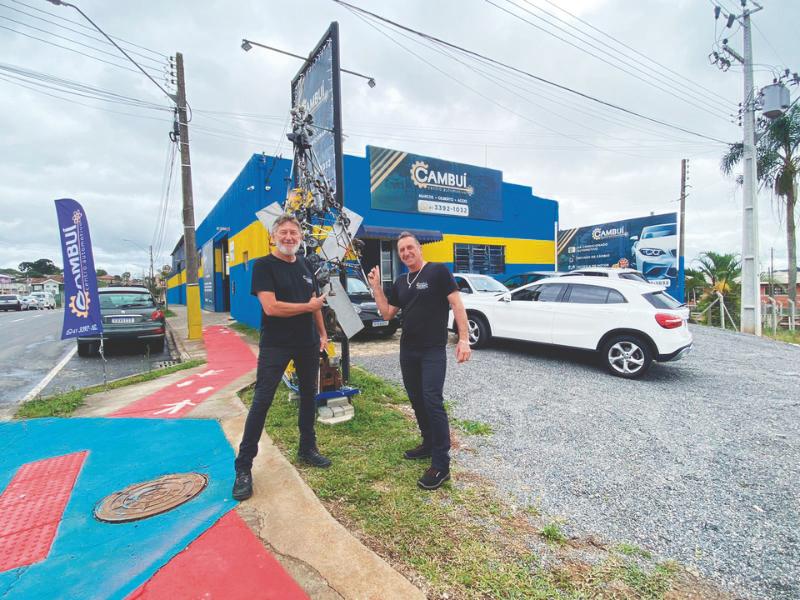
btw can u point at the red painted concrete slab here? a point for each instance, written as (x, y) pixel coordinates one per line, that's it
(228, 358)
(31, 508)
(226, 562)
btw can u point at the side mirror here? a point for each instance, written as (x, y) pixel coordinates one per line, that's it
(634, 237)
(506, 297)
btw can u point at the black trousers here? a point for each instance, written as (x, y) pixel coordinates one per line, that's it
(423, 372)
(272, 362)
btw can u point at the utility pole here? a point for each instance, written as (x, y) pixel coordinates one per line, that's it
(751, 296)
(194, 316)
(681, 246)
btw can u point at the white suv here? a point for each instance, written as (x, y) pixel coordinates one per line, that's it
(630, 324)
(45, 300)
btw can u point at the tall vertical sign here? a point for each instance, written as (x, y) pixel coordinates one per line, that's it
(81, 300)
(317, 88)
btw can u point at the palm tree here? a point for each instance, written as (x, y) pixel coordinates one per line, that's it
(720, 273)
(777, 165)
(693, 280)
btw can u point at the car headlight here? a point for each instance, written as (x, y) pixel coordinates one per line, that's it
(651, 251)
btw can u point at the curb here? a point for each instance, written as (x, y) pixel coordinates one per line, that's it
(177, 343)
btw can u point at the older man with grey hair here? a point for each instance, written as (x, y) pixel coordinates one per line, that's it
(292, 328)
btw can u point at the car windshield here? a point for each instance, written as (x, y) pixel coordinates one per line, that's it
(487, 284)
(126, 300)
(657, 231)
(356, 286)
(633, 276)
(662, 300)
(8, 297)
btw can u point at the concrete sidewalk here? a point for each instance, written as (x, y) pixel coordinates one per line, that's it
(318, 553)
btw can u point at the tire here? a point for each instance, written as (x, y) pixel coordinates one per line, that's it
(479, 334)
(386, 332)
(87, 349)
(627, 356)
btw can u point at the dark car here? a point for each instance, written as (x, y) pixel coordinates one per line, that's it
(10, 302)
(129, 314)
(363, 302)
(521, 279)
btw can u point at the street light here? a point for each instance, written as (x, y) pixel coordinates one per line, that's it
(247, 45)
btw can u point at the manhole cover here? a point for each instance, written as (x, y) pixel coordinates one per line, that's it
(149, 498)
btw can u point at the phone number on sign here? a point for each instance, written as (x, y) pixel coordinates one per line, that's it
(443, 208)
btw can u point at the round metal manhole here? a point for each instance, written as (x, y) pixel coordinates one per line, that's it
(150, 498)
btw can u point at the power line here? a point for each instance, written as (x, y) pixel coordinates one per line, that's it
(714, 110)
(33, 37)
(710, 93)
(526, 73)
(23, 23)
(79, 24)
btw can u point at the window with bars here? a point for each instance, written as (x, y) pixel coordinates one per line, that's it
(479, 258)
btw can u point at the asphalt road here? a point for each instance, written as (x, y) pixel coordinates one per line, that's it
(698, 461)
(31, 348)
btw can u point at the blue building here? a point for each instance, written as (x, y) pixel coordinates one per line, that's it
(466, 217)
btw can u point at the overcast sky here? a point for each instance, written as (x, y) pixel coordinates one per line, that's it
(598, 163)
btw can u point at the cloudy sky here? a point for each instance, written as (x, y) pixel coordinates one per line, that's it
(60, 140)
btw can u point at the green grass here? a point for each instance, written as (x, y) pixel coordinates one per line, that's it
(462, 539)
(552, 533)
(471, 427)
(783, 335)
(631, 550)
(64, 404)
(251, 332)
(169, 313)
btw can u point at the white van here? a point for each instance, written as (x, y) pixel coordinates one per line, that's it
(45, 300)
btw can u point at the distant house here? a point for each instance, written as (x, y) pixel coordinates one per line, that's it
(778, 288)
(105, 280)
(9, 286)
(54, 285)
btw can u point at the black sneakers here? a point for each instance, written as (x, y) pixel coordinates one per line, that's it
(243, 486)
(314, 458)
(421, 451)
(433, 479)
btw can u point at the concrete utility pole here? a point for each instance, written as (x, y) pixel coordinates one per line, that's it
(683, 218)
(751, 294)
(194, 316)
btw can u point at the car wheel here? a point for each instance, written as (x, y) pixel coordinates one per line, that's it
(387, 332)
(478, 331)
(627, 356)
(86, 349)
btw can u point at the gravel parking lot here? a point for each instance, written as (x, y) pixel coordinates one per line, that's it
(699, 461)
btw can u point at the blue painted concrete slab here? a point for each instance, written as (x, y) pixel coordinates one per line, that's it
(92, 559)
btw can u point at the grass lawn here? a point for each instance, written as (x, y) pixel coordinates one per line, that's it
(64, 404)
(462, 541)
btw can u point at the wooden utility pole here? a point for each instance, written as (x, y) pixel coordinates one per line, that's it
(194, 315)
(683, 218)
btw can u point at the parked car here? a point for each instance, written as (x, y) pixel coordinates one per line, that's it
(613, 273)
(10, 302)
(364, 303)
(45, 300)
(129, 314)
(628, 323)
(527, 277)
(655, 251)
(475, 283)
(29, 303)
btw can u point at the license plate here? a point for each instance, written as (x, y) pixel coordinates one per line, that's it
(122, 319)
(379, 323)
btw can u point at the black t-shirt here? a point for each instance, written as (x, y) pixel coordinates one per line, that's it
(291, 282)
(423, 298)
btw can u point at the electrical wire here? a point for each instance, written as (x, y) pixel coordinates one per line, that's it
(85, 26)
(398, 26)
(713, 110)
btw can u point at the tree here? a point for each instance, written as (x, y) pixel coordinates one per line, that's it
(101, 272)
(126, 277)
(720, 272)
(39, 268)
(694, 282)
(777, 166)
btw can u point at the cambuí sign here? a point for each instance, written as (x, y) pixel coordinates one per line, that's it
(81, 301)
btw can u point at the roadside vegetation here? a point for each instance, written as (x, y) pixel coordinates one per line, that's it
(66, 403)
(463, 541)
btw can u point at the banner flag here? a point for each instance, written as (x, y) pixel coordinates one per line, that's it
(81, 300)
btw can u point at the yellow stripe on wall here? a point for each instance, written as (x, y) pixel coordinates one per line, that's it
(518, 251)
(253, 239)
(176, 280)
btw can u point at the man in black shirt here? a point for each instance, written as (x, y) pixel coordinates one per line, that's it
(291, 329)
(425, 294)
